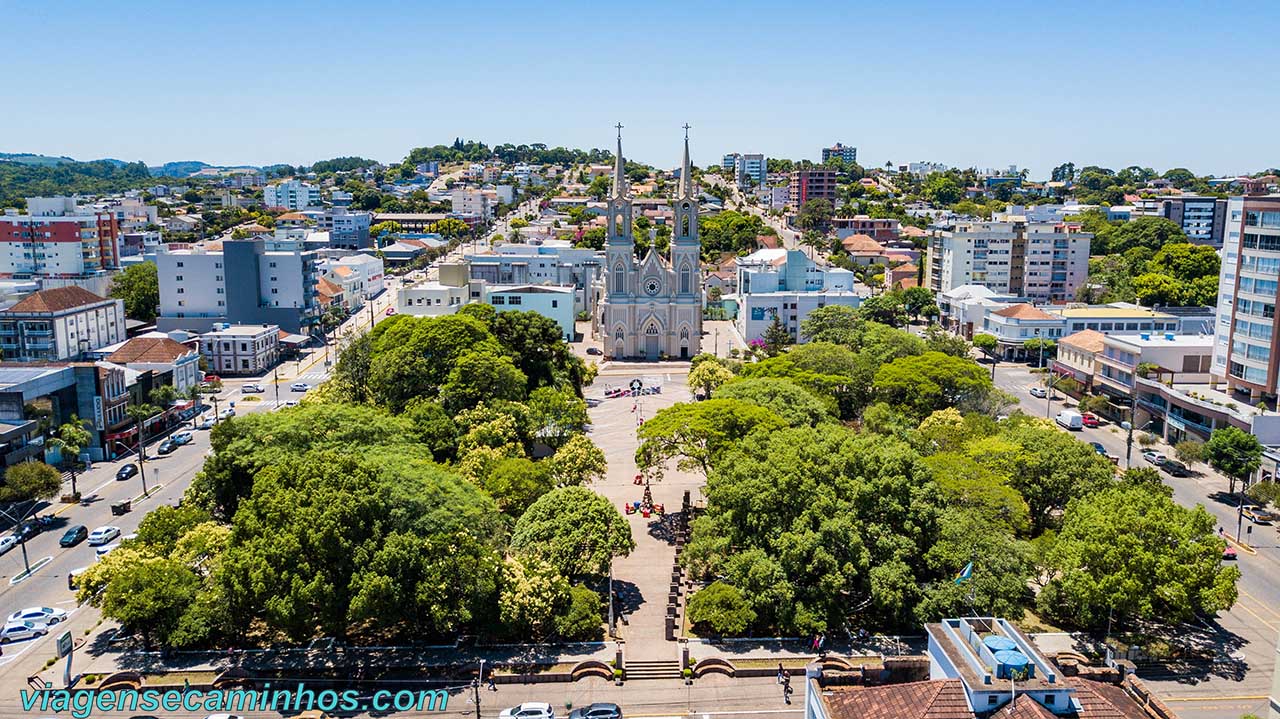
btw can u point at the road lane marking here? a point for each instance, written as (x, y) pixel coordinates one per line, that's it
(1245, 607)
(1261, 603)
(1214, 699)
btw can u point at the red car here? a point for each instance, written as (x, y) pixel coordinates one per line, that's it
(212, 378)
(391, 311)
(1090, 419)
(1229, 552)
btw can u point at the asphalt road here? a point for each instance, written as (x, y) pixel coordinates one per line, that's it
(1239, 679)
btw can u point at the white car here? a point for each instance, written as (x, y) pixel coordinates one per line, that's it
(205, 423)
(7, 542)
(227, 413)
(104, 550)
(14, 631)
(1039, 392)
(39, 615)
(1154, 457)
(252, 388)
(300, 387)
(529, 710)
(102, 535)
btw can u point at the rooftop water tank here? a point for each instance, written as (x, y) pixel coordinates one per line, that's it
(1168, 336)
(1010, 662)
(997, 643)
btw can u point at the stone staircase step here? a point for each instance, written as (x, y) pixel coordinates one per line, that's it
(653, 669)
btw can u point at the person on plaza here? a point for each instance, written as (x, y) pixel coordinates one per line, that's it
(781, 671)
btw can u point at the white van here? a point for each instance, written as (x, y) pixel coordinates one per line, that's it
(1070, 419)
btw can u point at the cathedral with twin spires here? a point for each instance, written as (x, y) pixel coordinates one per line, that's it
(650, 308)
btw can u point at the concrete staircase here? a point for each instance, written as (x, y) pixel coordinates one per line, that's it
(637, 670)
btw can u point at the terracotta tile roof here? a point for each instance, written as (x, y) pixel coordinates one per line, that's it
(768, 242)
(914, 700)
(55, 300)
(861, 243)
(1024, 707)
(253, 228)
(909, 268)
(898, 257)
(1087, 340)
(328, 287)
(912, 231)
(150, 350)
(293, 217)
(1024, 311)
(1099, 700)
(341, 271)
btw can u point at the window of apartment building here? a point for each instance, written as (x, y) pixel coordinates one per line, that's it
(274, 278)
(499, 300)
(271, 264)
(177, 278)
(181, 291)
(180, 264)
(221, 303)
(275, 291)
(217, 266)
(555, 303)
(516, 300)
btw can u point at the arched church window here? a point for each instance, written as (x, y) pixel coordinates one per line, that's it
(651, 330)
(684, 224)
(618, 335)
(685, 280)
(617, 223)
(684, 333)
(619, 278)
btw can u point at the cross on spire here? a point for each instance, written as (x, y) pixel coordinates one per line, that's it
(619, 126)
(686, 130)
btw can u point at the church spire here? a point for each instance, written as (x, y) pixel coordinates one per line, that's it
(686, 170)
(619, 169)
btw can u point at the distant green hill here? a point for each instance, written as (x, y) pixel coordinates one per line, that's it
(181, 168)
(19, 180)
(27, 158)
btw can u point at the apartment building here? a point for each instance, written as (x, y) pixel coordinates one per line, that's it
(360, 277)
(58, 239)
(879, 229)
(1202, 219)
(1245, 336)
(60, 324)
(848, 154)
(1043, 261)
(253, 281)
(816, 184)
(1126, 358)
(241, 349)
(788, 285)
(348, 230)
(293, 195)
(554, 262)
(749, 170)
(472, 203)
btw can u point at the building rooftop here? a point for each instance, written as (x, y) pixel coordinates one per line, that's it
(1108, 311)
(1164, 339)
(914, 700)
(1024, 311)
(1087, 340)
(241, 330)
(149, 350)
(57, 299)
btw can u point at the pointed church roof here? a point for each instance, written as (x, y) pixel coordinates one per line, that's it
(686, 171)
(619, 169)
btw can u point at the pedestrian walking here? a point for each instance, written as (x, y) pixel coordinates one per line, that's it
(781, 671)
(822, 642)
(491, 686)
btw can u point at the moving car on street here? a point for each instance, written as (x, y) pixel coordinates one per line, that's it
(74, 535)
(102, 535)
(1175, 468)
(1154, 457)
(126, 472)
(166, 447)
(1039, 392)
(598, 710)
(1258, 515)
(252, 388)
(182, 438)
(300, 387)
(1089, 419)
(7, 542)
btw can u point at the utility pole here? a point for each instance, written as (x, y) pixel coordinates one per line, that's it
(1128, 450)
(275, 378)
(475, 688)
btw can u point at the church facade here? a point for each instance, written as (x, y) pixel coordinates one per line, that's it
(650, 307)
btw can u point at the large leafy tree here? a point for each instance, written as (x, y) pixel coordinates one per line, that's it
(480, 376)
(1233, 452)
(411, 357)
(1139, 554)
(536, 346)
(697, 434)
(833, 323)
(30, 480)
(920, 384)
(574, 529)
(139, 286)
(794, 404)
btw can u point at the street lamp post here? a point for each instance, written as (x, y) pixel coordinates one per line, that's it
(1039, 341)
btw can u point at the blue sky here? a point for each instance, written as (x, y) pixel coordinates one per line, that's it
(987, 84)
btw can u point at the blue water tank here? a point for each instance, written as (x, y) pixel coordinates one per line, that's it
(997, 643)
(1010, 662)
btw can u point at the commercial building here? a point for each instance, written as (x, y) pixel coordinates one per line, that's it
(554, 303)
(253, 281)
(291, 195)
(816, 184)
(1014, 325)
(749, 170)
(170, 361)
(1124, 358)
(848, 154)
(56, 238)
(1077, 355)
(788, 285)
(360, 277)
(1202, 219)
(432, 299)
(879, 229)
(241, 349)
(472, 203)
(1043, 261)
(554, 262)
(60, 324)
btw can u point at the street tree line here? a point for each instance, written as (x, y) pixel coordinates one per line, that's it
(432, 488)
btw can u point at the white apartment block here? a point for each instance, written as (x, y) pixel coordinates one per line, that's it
(431, 299)
(472, 202)
(1042, 261)
(360, 276)
(56, 238)
(241, 349)
(60, 324)
(293, 195)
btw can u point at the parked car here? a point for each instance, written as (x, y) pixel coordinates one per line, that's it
(17, 631)
(598, 710)
(39, 615)
(212, 378)
(252, 388)
(529, 710)
(126, 472)
(74, 535)
(594, 351)
(7, 542)
(205, 423)
(300, 387)
(182, 438)
(1154, 457)
(26, 531)
(166, 447)
(1175, 468)
(615, 392)
(1097, 447)
(106, 549)
(1039, 392)
(1229, 552)
(227, 413)
(1089, 419)
(1070, 419)
(102, 535)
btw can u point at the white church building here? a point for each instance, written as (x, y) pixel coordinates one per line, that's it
(650, 308)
